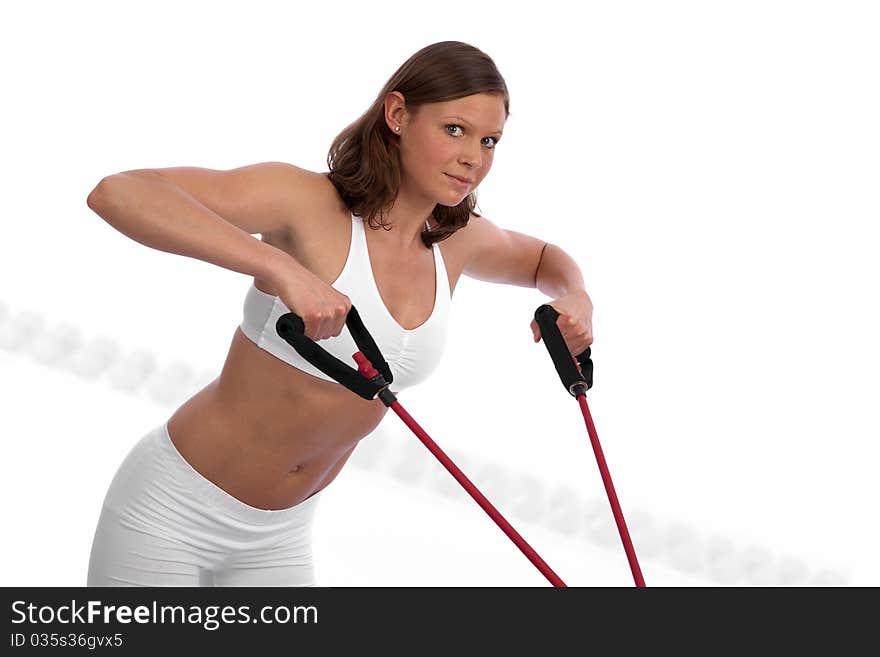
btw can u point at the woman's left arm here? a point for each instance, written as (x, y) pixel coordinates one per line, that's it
(559, 276)
(513, 258)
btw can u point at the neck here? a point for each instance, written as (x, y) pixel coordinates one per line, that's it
(407, 219)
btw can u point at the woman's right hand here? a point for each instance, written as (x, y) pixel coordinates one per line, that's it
(322, 308)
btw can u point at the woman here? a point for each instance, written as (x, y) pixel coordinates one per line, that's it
(224, 492)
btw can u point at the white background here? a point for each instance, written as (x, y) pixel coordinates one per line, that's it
(711, 166)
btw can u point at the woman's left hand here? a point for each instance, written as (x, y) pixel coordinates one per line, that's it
(575, 321)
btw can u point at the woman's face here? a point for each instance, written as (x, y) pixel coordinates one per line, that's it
(451, 138)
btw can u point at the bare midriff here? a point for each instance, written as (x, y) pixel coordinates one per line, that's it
(270, 434)
(267, 433)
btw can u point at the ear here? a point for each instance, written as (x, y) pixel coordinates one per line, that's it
(395, 110)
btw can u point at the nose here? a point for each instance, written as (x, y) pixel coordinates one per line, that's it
(473, 156)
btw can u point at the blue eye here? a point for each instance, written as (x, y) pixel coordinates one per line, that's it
(455, 125)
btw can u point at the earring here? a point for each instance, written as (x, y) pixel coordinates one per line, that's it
(397, 127)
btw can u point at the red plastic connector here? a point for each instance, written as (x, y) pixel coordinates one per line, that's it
(365, 367)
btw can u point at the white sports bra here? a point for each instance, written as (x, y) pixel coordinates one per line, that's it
(412, 354)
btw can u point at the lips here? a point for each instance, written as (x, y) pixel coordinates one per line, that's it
(463, 180)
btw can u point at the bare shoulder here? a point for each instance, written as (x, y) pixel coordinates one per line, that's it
(317, 230)
(311, 201)
(464, 242)
(315, 200)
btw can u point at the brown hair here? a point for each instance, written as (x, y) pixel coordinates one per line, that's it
(364, 159)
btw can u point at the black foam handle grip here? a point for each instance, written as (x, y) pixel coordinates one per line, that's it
(573, 380)
(291, 328)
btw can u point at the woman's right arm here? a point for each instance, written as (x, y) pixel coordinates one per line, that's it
(212, 215)
(205, 213)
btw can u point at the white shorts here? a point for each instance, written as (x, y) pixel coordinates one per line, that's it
(164, 524)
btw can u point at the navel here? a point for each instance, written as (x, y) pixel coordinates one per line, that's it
(294, 469)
